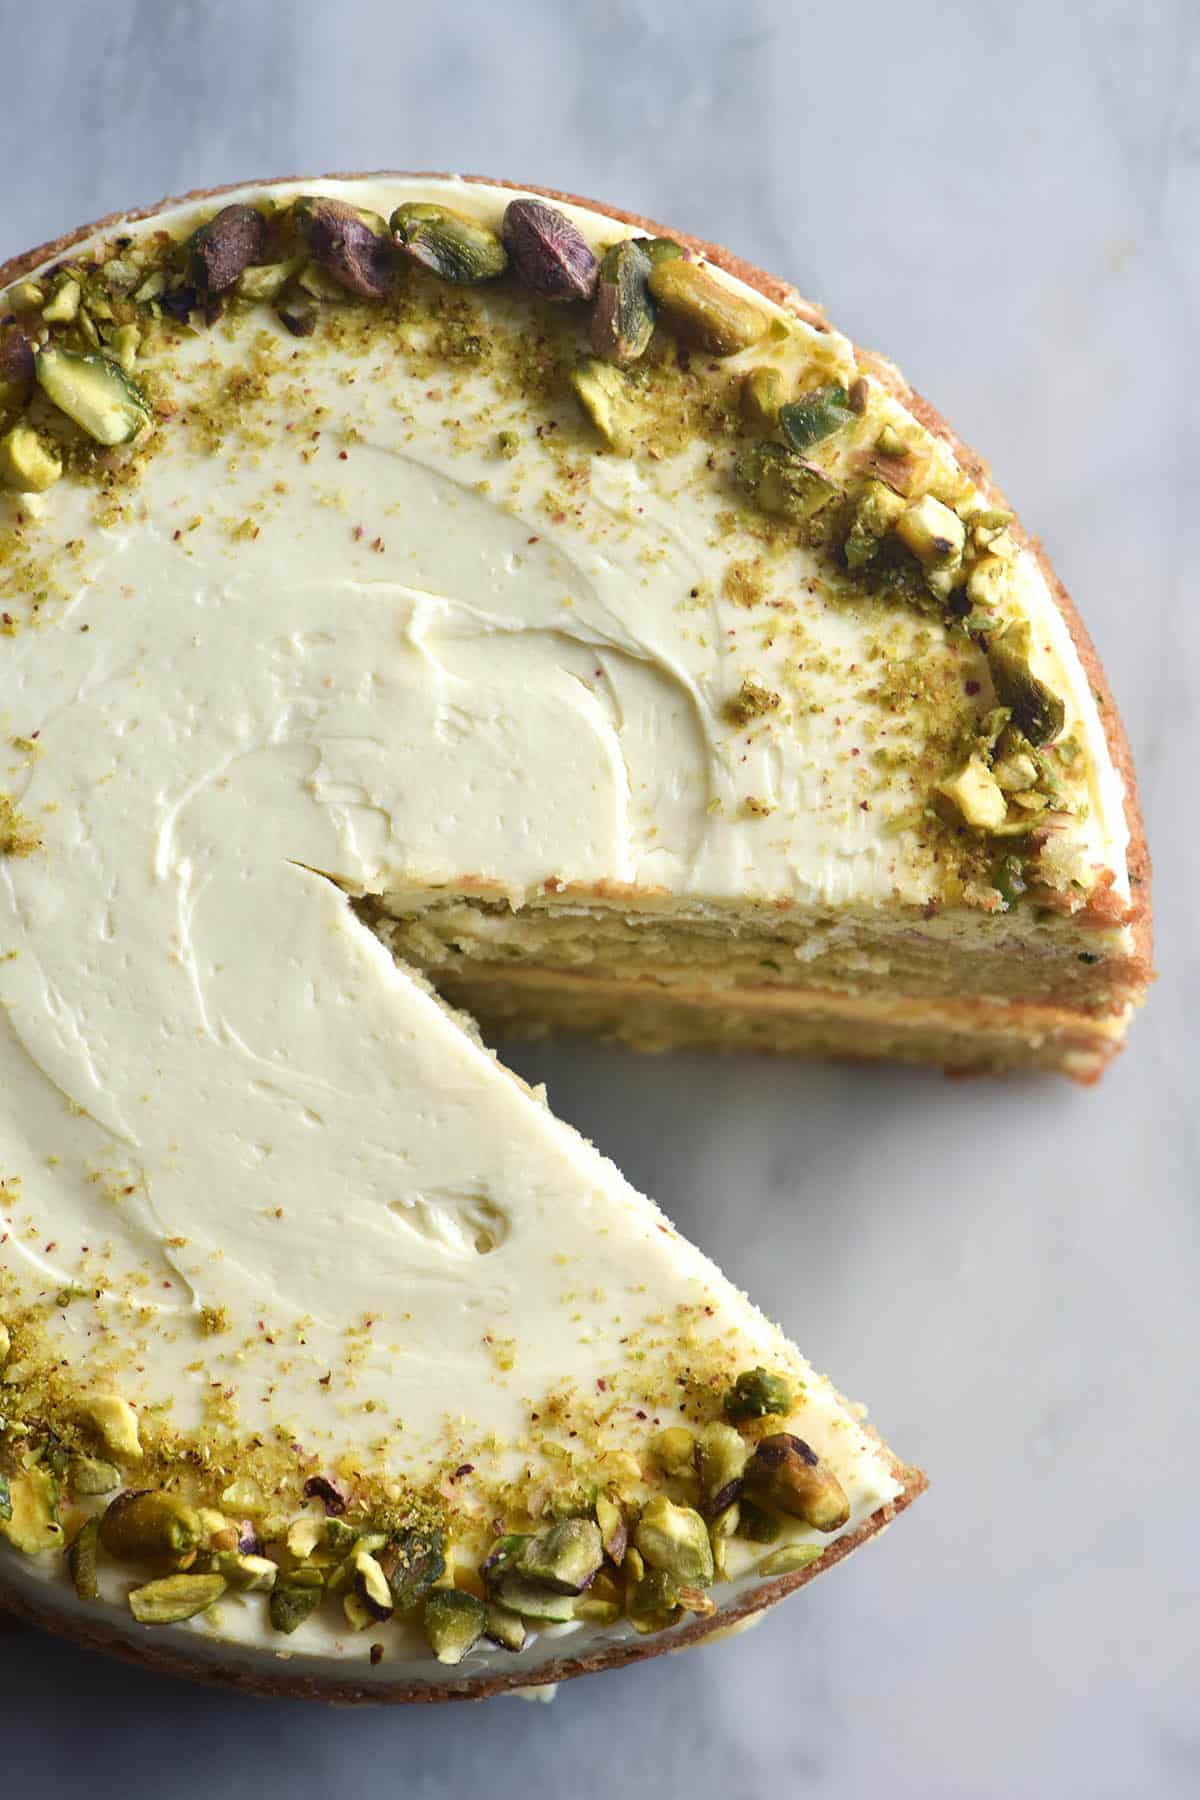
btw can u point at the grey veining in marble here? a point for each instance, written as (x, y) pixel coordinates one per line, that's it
(1009, 1272)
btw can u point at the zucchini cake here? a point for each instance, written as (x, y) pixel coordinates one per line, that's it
(417, 592)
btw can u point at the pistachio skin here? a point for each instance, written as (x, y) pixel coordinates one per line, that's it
(788, 1476)
(228, 244)
(450, 244)
(549, 256)
(145, 1524)
(16, 366)
(622, 319)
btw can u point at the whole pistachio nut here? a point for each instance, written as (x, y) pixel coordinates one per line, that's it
(1036, 709)
(789, 1476)
(96, 393)
(145, 1523)
(781, 482)
(622, 319)
(549, 256)
(63, 304)
(451, 244)
(675, 1538)
(354, 247)
(247, 1572)
(755, 1393)
(16, 367)
(703, 310)
(232, 240)
(174, 1598)
(81, 1560)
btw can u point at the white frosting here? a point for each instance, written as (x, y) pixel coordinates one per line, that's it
(211, 1074)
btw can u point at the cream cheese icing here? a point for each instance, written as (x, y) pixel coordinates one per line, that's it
(352, 650)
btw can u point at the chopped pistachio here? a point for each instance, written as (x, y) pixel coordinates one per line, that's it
(704, 310)
(117, 1424)
(724, 1454)
(91, 1475)
(24, 296)
(371, 1586)
(1035, 708)
(780, 482)
(674, 1449)
(933, 533)
(63, 305)
(675, 1538)
(6, 1505)
(652, 1602)
(341, 1538)
(95, 392)
(451, 244)
(266, 281)
(977, 795)
(1008, 879)
(412, 1562)
(505, 1628)
(533, 1599)
(789, 1476)
(613, 1531)
(248, 1573)
(565, 1558)
(27, 463)
(790, 1558)
(660, 249)
(755, 1393)
(174, 1598)
(29, 1517)
(762, 395)
(139, 1526)
(150, 289)
(454, 1623)
(605, 398)
(81, 1560)
(304, 1535)
(875, 513)
(5, 1342)
(816, 416)
(294, 1597)
(597, 1612)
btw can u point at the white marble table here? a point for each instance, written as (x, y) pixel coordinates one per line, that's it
(1009, 1272)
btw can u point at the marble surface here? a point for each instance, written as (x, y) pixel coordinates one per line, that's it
(1009, 1273)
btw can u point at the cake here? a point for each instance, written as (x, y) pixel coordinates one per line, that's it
(421, 595)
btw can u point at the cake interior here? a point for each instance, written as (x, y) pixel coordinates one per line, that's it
(794, 980)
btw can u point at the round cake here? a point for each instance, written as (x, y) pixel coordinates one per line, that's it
(426, 594)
